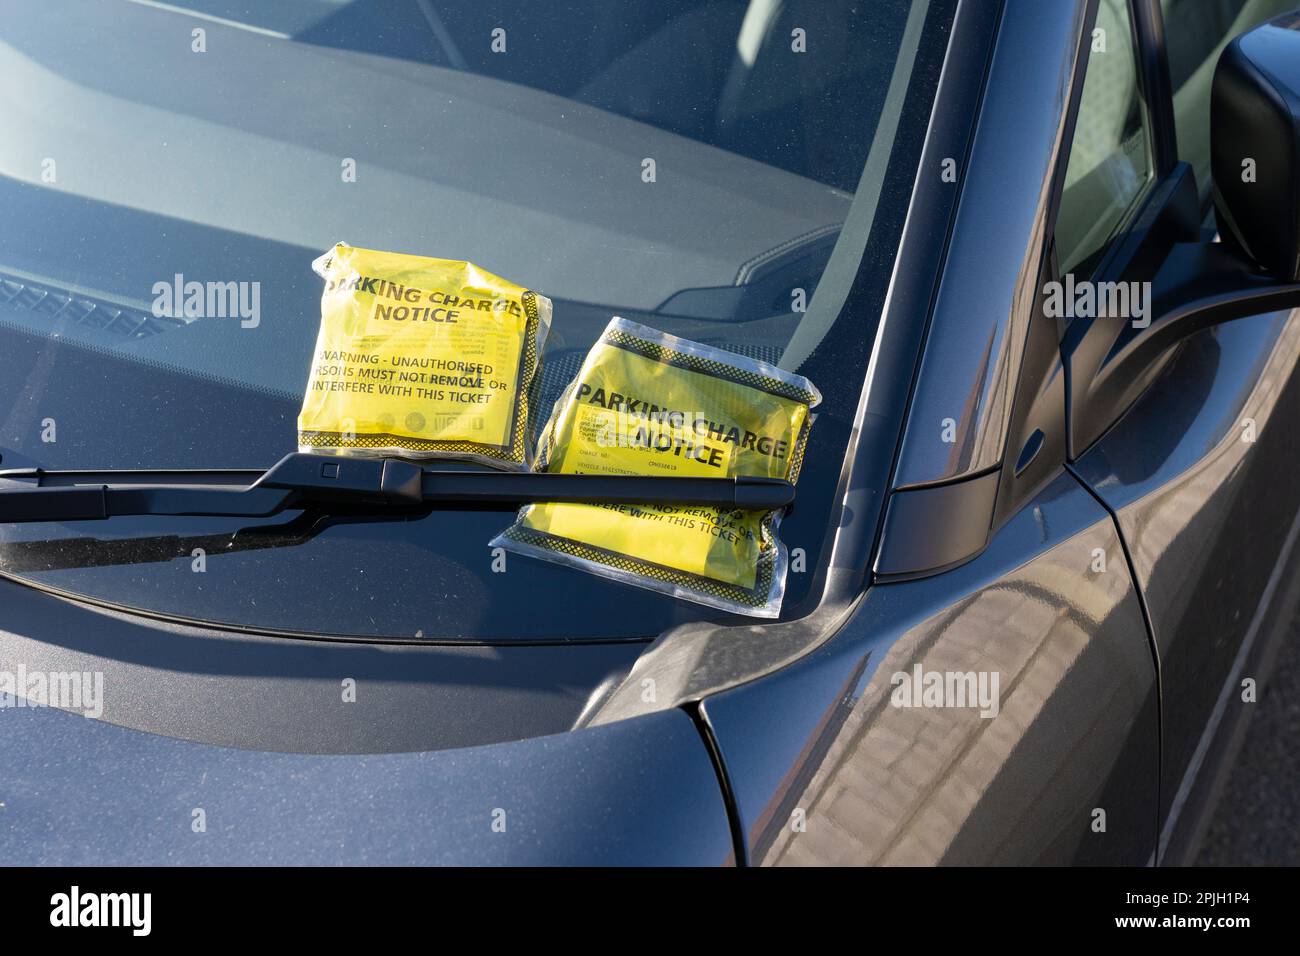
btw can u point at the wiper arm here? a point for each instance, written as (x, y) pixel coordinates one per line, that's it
(300, 480)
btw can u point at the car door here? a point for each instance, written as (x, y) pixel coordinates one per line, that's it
(1199, 470)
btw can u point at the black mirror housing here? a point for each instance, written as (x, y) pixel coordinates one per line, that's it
(1255, 145)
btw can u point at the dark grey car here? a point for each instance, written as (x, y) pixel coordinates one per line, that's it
(1041, 259)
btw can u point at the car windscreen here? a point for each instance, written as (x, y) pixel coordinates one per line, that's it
(728, 172)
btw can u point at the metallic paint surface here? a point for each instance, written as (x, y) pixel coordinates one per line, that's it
(988, 293)
(1201, 475)
(78, 791)
(263, 692)
(880, 784)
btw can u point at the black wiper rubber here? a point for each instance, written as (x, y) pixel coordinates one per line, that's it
(300, 480)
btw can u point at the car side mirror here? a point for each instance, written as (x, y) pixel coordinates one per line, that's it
(1253, 269)
(1255, 145)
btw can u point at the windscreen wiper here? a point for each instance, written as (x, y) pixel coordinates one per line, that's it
(301, 480)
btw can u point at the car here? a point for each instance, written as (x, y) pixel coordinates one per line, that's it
(1041, 261)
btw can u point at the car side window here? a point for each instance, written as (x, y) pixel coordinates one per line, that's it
(1196, 31)
(1110, 159)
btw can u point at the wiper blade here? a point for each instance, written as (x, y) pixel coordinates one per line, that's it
(301, 480)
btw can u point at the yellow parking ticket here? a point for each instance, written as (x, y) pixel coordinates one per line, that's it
(649, 403)
(423, 358)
